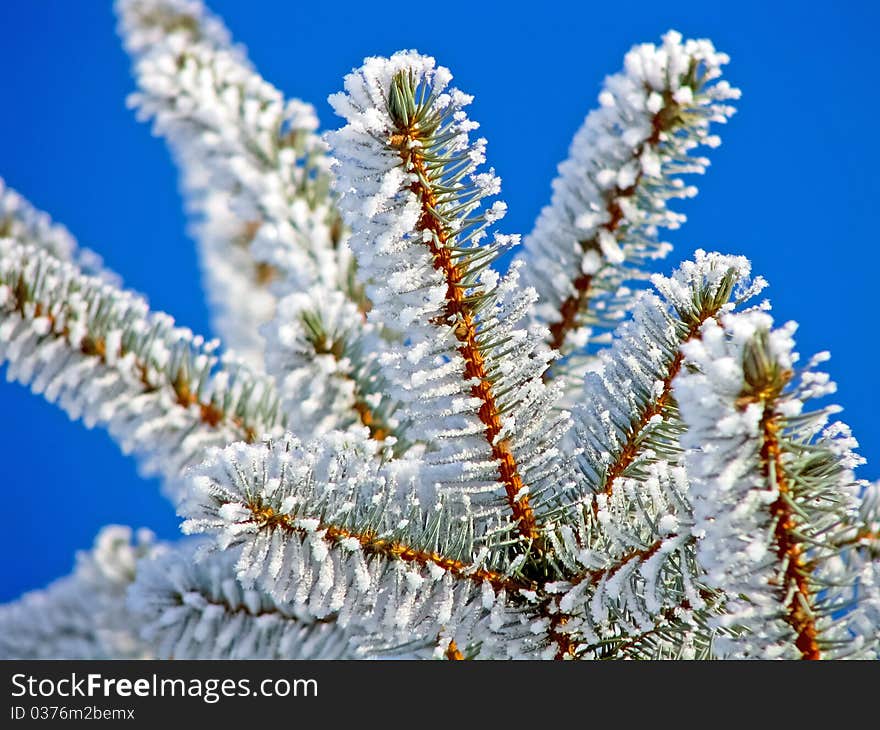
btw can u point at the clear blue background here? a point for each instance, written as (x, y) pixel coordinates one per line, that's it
(794, 186)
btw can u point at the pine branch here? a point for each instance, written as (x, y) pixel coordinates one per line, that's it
(253, 168)
(433, 499)
(774, 496)
(257, 181)
(628, 567)
(624, 166)
(326, 532)
(81, 616)
(624, 545)
(469, 378)
(147, 600)
(190, 608)
(679, 634)
(105, 358)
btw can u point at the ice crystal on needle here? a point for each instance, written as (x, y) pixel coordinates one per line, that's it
(406, 452)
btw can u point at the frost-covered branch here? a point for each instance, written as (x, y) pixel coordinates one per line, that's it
(625, 543)
(192, 607)
(84, 615)
(425, 458)
(139, 599)
(777, 508)
(676, 633)
(612, 193)
(324, 530)
(253, 168)
(627, 416)
(256, 177)
(467, 372)
(632, 572)
(101, 355)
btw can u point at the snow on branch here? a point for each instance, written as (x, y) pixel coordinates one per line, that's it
(328, 534)
(102, 355)
(415, 455)
(130, 597)
(466, 370)
(84, 615)
(611, 197)
(253, 168)
(190, 608)
(784, 530)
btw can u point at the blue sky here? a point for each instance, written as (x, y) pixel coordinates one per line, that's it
(793, 186)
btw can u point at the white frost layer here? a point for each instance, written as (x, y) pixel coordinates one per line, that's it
(624, 167)
(104, 357)
(254, 171)
(753, 450)
(426, 368)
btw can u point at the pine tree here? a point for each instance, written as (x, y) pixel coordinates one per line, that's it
(402, 451)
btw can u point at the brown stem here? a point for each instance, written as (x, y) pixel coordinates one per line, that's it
(594, 576)
(566, 647)
(379, 430)
(765, 381)
(372, 544)
(209, 413)
(863, 536)
(788, 549)
(459, 312)
(655, 407)
(578, 302)
(263, 273)
(453, 653)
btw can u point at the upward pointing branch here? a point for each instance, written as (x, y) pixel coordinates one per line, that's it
(470, 377)
(764, 384)
(633, 388)
(408, 138)
(612, 193)
(773, 493)
(253, 168)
